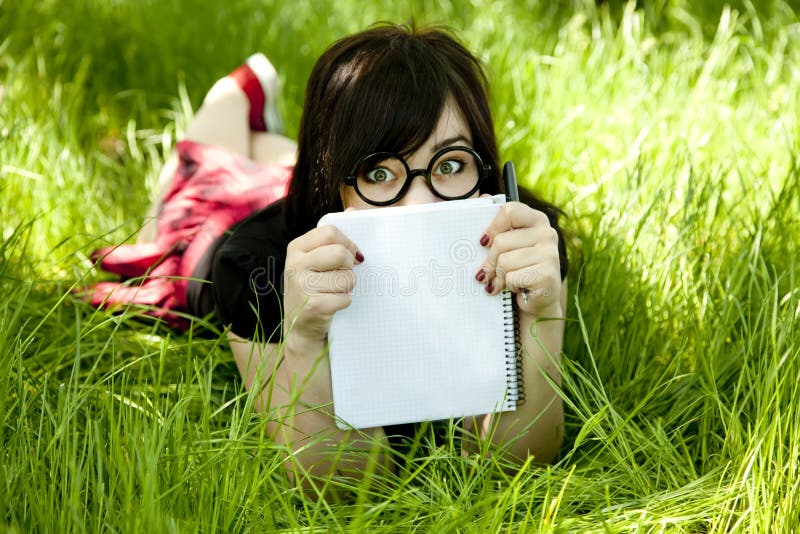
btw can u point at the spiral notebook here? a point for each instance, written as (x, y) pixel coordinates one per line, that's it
(421, 340)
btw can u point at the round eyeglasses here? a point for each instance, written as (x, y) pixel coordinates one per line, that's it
(453, 173)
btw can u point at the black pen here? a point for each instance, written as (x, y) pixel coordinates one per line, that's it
(510, 179)
(512, 194)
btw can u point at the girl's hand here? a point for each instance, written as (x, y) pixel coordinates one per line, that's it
(318, 279)
(523, 257)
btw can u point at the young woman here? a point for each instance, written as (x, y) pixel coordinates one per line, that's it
(411, 92)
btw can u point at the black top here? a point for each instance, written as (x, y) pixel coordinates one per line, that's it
(247, 274)
(245, 268)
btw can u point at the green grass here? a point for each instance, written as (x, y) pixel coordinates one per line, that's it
(669, 135)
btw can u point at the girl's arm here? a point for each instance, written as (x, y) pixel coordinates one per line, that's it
(524, 257)
(293, 379)
(294, 391)
(536, 428)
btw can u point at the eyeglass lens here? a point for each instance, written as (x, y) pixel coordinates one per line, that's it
(452, 174)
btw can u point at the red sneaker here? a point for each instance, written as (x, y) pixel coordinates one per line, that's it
(259, 81)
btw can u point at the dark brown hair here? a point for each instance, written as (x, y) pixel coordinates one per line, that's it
(383, 89)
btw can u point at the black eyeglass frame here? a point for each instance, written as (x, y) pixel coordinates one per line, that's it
(483, 171)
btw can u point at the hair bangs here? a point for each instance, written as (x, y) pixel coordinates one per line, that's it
(395, 103)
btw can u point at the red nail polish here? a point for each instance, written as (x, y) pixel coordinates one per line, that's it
(359, 257)
(490, 288)
(480, 276)
(484, 240)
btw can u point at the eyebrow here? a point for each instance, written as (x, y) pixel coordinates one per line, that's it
(450, 141)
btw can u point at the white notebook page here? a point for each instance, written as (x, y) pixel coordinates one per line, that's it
(422, 340)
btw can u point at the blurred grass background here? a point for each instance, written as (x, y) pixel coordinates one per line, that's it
(666, 130)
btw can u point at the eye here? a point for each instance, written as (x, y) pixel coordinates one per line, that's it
(380, 175)
(450, 166)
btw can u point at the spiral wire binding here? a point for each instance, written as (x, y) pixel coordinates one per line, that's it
(514, 376)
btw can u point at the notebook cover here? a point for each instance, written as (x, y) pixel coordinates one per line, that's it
(422, 340)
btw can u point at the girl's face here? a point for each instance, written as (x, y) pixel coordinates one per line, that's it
(451, 130)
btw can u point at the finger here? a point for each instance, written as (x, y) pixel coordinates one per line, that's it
(505, 242)
(321, 236)
(339, 281)
(510, 240)
(537, 286)
(538, 256)
(328, 258)
(533, 278)
(512, 215)
(325, 304)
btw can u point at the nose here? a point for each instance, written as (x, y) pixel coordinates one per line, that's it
(418, 193)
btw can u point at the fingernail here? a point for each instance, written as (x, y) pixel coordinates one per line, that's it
(480, 276)
(484, 240)
(359, 256)
(490, 288)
